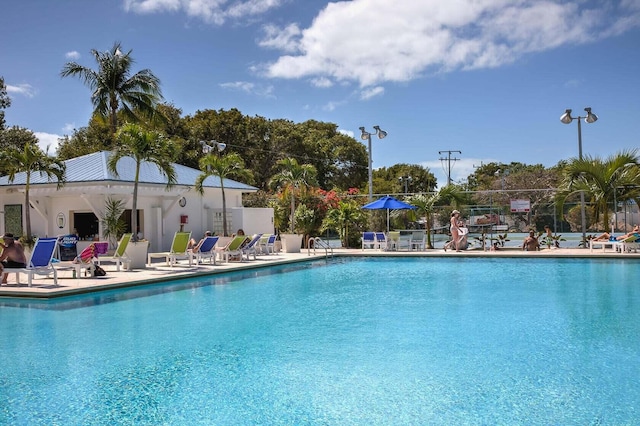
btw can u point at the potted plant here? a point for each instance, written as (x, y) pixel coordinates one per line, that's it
(112, 224)
(293, 177)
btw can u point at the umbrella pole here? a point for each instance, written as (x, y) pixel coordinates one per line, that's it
(387, 220)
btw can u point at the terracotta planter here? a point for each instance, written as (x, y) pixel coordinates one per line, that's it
(291, 243)
(137, 252)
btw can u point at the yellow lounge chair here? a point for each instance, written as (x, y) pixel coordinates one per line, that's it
(179, 250)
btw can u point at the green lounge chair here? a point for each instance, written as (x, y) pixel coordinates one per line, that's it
(120, 256)
(178, 250)
(233, 248)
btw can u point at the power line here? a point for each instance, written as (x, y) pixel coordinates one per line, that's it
(449, 160)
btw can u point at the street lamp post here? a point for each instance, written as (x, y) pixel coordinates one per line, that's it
(367, 136)
(566, 118)
(212, 145)
(405, 180)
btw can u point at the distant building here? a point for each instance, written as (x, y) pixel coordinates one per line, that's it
(79, 204)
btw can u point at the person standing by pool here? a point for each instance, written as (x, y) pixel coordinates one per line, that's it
(12, 255)
(531, 243)
(549, 236)
(455, 231)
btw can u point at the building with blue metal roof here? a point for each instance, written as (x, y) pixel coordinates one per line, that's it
(79, 203)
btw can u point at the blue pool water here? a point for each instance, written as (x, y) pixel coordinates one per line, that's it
(342, 342)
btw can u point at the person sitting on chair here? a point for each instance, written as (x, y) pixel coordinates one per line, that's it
(12, 255)
(193, 246)
(531, 243)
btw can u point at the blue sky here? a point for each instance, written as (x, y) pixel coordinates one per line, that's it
(489, 78)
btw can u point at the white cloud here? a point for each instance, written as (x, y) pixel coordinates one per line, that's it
(322, 82)
(249, 88)
(371, 42)
(330, 106)
(69, 128)
(73, 55)
(349, 133)
(285, 39)
(210, 11)
(26, 90)
(48, 139)
(371, 92)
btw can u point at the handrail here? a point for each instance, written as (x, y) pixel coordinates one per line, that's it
(317, 242)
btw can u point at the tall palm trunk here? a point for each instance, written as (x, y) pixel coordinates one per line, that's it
(134, 205)
(27, 205)
(224, 210)
(293, 210)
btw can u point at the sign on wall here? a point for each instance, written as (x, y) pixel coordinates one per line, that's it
(520, 206)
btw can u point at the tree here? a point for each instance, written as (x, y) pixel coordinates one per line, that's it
(426, 203)
(95, 137)
(142, 146)
(391, 180)
(5, 102)
(225, 167)
(15, 137)
(617, 178)
(293, 177)
(113, 87)
(346, 215)
(31, 159)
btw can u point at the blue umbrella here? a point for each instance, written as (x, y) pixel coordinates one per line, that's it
(389, 203)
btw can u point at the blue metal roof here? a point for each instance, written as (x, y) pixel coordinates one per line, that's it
(93, 168)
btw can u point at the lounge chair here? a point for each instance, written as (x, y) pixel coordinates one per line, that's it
(267, 244)
(233, 248)
(369, 240)
(179, 250)
(205, 251)
(393, 240)
(602, 243)
(84, 261)
(381, 241)
(418, 240)
(120, 256)
(251, 247)
(631, 243)
(40, 262)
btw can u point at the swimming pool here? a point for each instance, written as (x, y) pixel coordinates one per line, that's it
(345, 341)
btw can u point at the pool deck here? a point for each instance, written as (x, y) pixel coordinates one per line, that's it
(43, 288)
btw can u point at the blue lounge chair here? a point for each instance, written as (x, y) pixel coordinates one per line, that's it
(252, 246)
(206, 250)
(368, 240)
(381, 241)
(267, 244)
(40, 262)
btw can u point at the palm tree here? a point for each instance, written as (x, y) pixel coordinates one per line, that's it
(112, 85)
(426, 204)
(31, 159)
(348, 213)
(617, 178)
(143, 146)
(225, 167)
(293, 177)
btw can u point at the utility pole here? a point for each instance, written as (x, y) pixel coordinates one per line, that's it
(448, 159)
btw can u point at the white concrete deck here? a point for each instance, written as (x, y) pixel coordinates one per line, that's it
(43, 288)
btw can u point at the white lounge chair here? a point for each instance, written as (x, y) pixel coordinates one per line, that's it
(40, 262)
